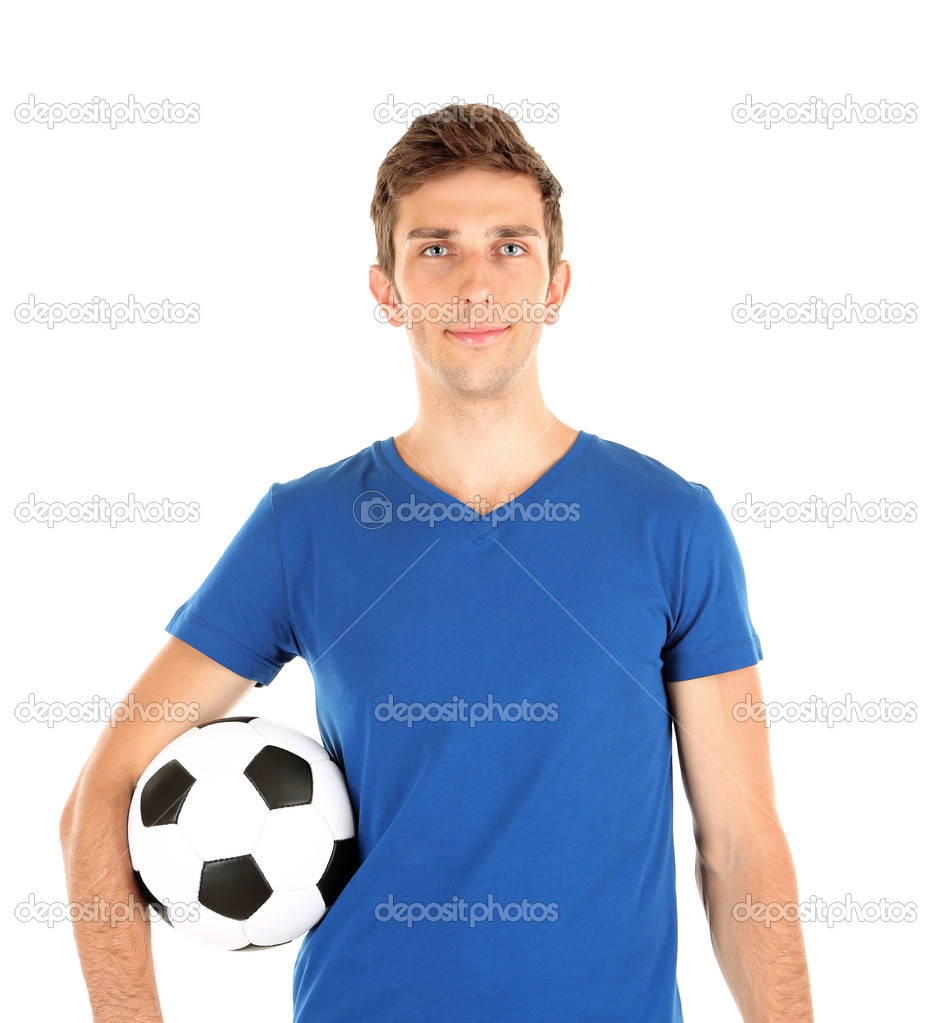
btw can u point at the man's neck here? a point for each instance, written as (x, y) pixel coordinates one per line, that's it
(484, 461)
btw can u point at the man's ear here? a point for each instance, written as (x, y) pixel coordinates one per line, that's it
(557, 290)
(385, 294)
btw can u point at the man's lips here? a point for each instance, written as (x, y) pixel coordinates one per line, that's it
(477, 336)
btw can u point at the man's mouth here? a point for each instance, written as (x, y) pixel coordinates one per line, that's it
(477, 336)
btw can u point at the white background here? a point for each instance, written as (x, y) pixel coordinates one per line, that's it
(673, 213)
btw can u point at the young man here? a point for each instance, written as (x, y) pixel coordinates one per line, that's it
(503, 615)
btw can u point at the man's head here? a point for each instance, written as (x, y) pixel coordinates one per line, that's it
(450, 140)
(469, 239)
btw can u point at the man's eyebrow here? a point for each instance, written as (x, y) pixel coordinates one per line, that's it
(499, 231)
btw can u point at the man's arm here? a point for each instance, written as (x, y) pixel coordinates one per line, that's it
(117, 960)
(741, 847)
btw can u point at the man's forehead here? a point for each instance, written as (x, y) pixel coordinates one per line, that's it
(500, 204)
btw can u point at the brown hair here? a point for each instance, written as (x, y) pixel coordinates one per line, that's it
(448, 140)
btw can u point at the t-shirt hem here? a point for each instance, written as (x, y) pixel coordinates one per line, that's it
(741, 654)
(220, 647)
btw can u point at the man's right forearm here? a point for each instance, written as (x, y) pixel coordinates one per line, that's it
(112, 929)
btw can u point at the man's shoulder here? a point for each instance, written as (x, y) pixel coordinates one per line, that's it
(638, 477)
(328, 484)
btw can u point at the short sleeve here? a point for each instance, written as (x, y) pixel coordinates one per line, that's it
(239, 616)
(712, 631)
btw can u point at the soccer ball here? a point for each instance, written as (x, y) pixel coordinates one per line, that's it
(241, 833)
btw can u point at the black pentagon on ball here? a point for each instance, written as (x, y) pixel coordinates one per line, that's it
(281, 777)
(343, 863)
(234, 887)
(164, 795)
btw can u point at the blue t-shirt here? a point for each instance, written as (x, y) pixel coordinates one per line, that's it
(492, 688)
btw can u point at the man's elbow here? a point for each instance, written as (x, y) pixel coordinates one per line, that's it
(67, 819)
(743, 844)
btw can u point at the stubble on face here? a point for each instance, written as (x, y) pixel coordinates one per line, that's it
(476, 377)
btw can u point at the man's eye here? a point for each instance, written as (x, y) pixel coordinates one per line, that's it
(430, 249)
(513, 245)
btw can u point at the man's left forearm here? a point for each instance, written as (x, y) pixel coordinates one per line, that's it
(750, 895)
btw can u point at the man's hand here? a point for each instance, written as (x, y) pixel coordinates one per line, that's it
(742, 853)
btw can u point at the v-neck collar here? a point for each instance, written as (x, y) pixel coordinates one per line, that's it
(484, 524)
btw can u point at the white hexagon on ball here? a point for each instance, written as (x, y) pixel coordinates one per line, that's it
(218, 749)
(289, 829)
(204, 925)
(222, 816)
(284, 916)
(170, 867)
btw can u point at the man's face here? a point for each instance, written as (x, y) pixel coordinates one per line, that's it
(471, 251)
